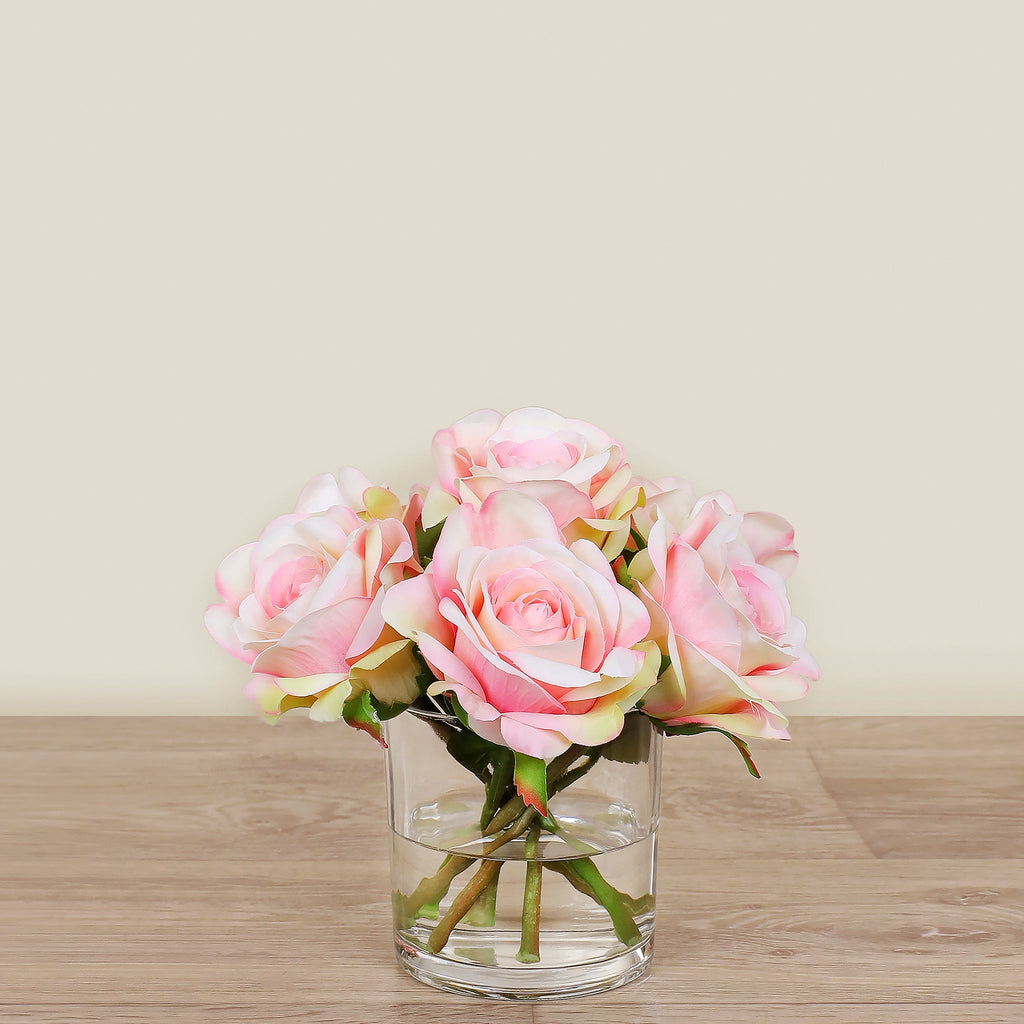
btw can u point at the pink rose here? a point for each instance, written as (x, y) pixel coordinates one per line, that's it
(721, 614)
(535, 639)
(302, 604)
(575, 469)
(269, 585)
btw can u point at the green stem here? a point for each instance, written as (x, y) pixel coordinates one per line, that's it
(462, 904)
(481, 914)
(529, 947)
(506, 815)
(432, 890)
(514, 807)
(594, 885)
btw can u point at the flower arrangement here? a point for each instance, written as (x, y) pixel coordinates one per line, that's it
(536, 601)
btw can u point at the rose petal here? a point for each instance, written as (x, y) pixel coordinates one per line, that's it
(316, 644)
(220, 621)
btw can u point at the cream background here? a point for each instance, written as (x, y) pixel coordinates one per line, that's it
(773, 247)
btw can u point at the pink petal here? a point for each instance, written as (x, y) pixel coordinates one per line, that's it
(456, 449)
(784, 563)
(554, 673)
(448, 666)
(696, 608)
(234, 575)
(264, 692)
(748, 720)
(528, 739)
(506, 518)
(779, 686)
(220, 621)
(410, 608)
(766, 533)
(369, 630)
(504, 685)
(613, 487)
(320, 494)
(316, 644)
(563, 500)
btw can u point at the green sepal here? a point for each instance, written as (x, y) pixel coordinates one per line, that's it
(359, 712)
(426, 541)
(386, 711)
(666, 662)
(424, 677)
(531, 779)
(622, 573)
(460, 711)
(503, 767)
(693, 728)
(630, 553)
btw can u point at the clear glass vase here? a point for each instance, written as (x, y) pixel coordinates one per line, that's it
(494, 900)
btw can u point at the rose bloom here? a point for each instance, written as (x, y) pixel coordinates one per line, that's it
(712, 580)
(534, 638)
(575, 469)
(302, 604)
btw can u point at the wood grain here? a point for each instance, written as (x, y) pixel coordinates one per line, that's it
(216, 870)
(444, 1010)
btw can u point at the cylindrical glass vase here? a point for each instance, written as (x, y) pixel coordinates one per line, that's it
(491, 898)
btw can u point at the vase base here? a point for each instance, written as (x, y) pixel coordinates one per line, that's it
(533, 983)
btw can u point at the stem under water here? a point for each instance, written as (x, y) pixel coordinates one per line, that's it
(482, 913)
(462, 904)
(582, 874)
(505, 823)
(529, 947)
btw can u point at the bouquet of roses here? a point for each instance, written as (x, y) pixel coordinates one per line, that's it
(535, 598)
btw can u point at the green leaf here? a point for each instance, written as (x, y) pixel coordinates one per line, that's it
(531, 779)
(584, 870)
(694, 728)
(471, 752)
(359, 712)
(666, 662)
(633, 744)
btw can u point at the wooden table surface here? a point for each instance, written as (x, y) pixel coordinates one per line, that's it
(220, 870)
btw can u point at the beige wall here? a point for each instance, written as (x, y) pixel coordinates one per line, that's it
(776, 248)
